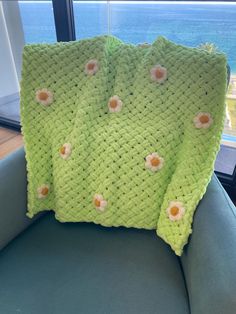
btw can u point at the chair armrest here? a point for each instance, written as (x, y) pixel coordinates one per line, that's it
(13, 196)
(209, 261)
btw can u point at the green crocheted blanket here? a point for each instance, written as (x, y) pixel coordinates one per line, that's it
(122, 135)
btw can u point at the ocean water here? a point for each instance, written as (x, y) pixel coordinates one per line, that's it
(187, 24)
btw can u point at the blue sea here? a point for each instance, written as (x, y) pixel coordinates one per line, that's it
(188, 24)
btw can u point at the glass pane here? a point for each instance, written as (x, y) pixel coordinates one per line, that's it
(91, 18)
(38, 21)
(20, 22)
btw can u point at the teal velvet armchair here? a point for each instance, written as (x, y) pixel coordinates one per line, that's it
(51, 267)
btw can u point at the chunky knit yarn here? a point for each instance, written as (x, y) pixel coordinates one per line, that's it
(121, 135)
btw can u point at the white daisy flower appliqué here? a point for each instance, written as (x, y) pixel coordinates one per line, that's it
(91, 67)
(65, 150)
(44, 97)
(175, 211)
(202, 120)
(43, 191)
(115, 104)
(99, 202)
(158, 73)
(154, 162)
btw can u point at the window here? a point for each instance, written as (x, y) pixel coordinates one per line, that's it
(91, 18)
(190, 23)
(38, 21)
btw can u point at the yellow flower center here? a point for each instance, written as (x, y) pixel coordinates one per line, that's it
(62, 150)
(91, 66)
(97, 202)
(155, 161)
(44, 191)
(174, 210)
(204, 118)
(113, 103)
(159, 73)
(43, 96)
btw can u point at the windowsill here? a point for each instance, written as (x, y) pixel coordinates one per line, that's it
(9, 141)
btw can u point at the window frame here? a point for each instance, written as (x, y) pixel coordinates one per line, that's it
(64, 20)
(65, 31)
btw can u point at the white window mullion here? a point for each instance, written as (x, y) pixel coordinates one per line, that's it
(8, 78)
(14, 27)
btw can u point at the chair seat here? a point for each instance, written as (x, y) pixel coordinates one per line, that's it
(70, 268)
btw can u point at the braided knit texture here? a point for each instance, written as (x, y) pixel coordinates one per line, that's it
(122, 135)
